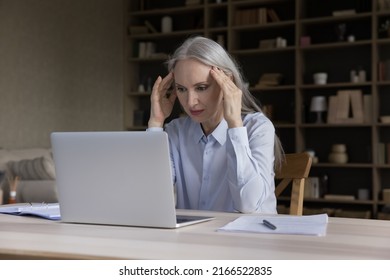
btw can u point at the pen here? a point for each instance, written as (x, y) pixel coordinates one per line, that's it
(269, 225)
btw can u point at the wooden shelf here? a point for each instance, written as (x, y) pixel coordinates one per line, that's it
(263, 26)
(346, 165)
(297, 63)
(346, 18)
(160, 35)
(259, 51)
(336, 45)
(333, 202)
(167, 11)
(336, 85)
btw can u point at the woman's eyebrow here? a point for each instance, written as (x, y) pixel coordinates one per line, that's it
(196, 84)
(179, 85)
(202, 84)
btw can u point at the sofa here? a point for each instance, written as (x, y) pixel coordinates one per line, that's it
(35, 168)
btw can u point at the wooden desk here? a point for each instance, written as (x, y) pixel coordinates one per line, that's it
(34, 238)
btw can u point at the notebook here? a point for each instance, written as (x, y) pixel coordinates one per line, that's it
(116, 178)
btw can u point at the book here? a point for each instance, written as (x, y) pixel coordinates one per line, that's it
(387, 148)
(192, 2)
(346, 107)
(384, 70)
(262, 16)
(134, 29)
(150, 27)
(332, 110)
(312, 187)
(343, 104)
(339, 197)
(352, 214)
(367, 108)
(269, 79)
(340, 13)
(267, 44)
(357, 105)
(381, 153)
(273, 15)
(383, 5)
(49, 211)
(285, 224)
(250, 16)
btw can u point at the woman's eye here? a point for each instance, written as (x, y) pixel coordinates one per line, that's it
(180, 89)
(201, 88)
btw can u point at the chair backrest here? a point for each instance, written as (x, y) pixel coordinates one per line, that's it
(295, 169)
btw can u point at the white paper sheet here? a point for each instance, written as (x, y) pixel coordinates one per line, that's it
(49, 211)
(285, 224)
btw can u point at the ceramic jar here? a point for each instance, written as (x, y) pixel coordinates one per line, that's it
(320, 78)
(338, 154)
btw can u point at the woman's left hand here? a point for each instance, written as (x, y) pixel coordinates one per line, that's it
(231, 97)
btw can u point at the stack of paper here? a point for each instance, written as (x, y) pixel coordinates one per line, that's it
(285, 224)
(49, 211)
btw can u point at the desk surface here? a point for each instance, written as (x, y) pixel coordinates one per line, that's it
(30, 237)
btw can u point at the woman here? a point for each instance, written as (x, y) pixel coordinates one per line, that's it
(223, 153)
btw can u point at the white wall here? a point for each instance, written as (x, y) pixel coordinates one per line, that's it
(61, 68)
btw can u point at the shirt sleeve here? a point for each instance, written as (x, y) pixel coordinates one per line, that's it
(157, 129)
(250, 153)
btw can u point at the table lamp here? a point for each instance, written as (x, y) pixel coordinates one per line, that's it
(318, 105)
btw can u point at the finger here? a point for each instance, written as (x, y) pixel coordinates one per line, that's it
(166, 82)
(226, 84)
(220, 76)
(157, 83)
(155, 91)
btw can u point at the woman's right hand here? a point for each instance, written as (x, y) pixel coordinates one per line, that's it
(161, 102)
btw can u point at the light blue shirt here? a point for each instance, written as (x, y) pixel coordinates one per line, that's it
(229, 170)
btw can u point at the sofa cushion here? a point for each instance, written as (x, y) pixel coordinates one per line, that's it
(7, 155)
(41, 168)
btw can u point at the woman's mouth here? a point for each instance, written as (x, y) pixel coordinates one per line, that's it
(196, 112)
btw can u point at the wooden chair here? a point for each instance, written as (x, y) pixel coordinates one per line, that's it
(295, 169)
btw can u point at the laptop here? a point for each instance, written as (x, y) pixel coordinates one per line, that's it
(116, 178)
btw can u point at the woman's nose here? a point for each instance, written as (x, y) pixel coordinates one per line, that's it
(192, 98)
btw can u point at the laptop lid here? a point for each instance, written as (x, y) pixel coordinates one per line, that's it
(116, 178)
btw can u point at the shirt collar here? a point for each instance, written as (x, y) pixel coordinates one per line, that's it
(219, 132)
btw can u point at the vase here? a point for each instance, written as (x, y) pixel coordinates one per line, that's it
(336, 157)
(338, 154)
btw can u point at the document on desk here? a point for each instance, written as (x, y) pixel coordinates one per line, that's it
(49, 211)
(281, 224)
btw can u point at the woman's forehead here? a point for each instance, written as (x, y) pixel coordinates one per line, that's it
(190, 63)
(191, 70)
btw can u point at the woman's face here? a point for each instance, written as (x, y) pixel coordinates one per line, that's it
(198, 93)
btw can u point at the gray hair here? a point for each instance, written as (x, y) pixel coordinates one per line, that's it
(211, 53)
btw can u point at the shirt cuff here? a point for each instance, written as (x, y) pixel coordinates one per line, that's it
(239, 135)
(154, 129)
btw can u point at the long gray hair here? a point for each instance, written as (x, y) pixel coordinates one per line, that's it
(211, 53)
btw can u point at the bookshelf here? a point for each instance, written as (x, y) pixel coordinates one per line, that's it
(295, 39)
